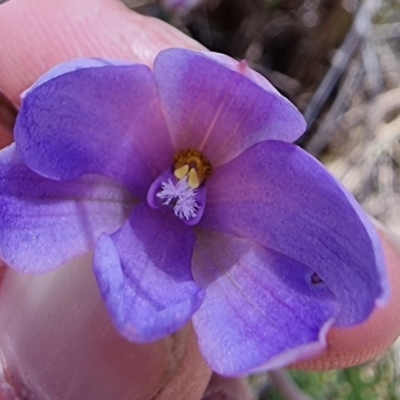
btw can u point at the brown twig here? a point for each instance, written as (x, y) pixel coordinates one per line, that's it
(332, 118)
(387, 31)
(359, 31)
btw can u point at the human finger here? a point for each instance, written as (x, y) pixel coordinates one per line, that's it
(347, 347)
(54, 32)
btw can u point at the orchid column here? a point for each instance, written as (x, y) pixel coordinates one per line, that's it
(184, 184)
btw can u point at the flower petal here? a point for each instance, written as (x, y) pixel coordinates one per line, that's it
(45, 223)
(74, 65)
(280, 197)
(261, 309)
(144, 275)
(103, 120)
(219, 111)
(243, 68)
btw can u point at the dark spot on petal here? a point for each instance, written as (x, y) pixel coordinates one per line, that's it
(315, 279)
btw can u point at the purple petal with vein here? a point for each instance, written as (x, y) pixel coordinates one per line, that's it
(261, 309)
(280, 197)
(74, 65)
(45, 223)
(243, 68)
(218, 111)
(144, 275)
(104, 120)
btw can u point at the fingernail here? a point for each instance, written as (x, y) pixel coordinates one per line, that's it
(392, 238)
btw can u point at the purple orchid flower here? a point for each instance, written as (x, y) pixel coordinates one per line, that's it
(184, 181)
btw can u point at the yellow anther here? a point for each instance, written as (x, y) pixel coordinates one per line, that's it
(193, 180)
(181, 172)
(189, 159)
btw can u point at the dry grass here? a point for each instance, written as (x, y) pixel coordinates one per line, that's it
(364, 153)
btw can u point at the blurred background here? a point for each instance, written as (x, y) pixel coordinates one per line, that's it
(339, 62)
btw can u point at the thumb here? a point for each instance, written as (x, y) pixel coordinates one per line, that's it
(35, 35)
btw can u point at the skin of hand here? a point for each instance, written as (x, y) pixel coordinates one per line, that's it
(35, 35)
